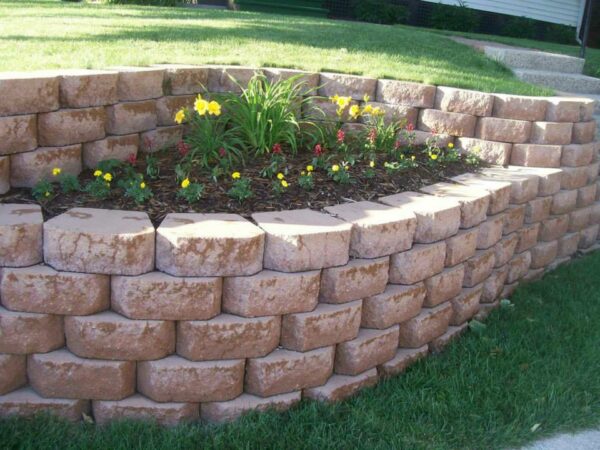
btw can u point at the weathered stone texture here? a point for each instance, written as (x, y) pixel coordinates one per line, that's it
(27, 169)
(326, 325)
(41, 289)
(71, 126)
(175, 379)
(302, 239)
(285, 371)
(20, 235)
(110, 336)
(377, 230)
(228, 337)
(208, 245)
(100, 241)
(271, 293)
(358, 279)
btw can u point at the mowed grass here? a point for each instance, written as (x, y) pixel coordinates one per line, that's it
(49, 34)
(531, 372)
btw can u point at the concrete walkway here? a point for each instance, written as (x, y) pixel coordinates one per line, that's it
(559, 72)
(586, 440)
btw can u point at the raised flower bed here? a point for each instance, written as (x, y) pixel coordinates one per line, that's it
(201, 314)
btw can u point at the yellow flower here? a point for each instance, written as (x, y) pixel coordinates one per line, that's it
(280, 176)
(309, 168)
(284, 183)
(377, 111)
(56, 171)
(236, 175)
(476, 149)
(366, 98)
(214, 109)
(450, 145)
(185, 183)
(107, 177)
(335, 168)
(47, 194)
(97, 173)
(354, 111)
(433, 156)
(343, 102)
(180, 116)
(201, 105)
(142, 185)
(368, 109)
(303, 173)
(372, 164)
(412, 158)
(334, 99)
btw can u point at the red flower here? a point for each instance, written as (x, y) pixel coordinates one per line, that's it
(397, 145)
(410, 127)
(372, 137)
(222, 152)
(276, 149)
(318, 150)
(183, 148)
(131, 159)
(341, 136)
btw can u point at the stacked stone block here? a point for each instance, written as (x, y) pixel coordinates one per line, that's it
(213, 315)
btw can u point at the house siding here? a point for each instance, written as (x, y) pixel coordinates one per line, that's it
(564, 12)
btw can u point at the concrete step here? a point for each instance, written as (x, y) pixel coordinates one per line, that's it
(569, 82)
(519, 58)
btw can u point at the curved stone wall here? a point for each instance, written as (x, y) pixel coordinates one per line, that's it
(76, 118)
(213, 315)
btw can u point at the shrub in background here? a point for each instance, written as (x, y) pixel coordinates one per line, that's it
(379, 11)
(455, 18)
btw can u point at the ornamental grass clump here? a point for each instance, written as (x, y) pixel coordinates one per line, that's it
(268, 113)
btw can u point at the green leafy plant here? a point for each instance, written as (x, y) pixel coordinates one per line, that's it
(43, 191)
(210, 141)
(306, 180)
(339, 173)
(267, 113)
(241, 189)
(68, 183)
(138, 191)
(280, 185)
(99, 187)
(190, 192)
(152, 167)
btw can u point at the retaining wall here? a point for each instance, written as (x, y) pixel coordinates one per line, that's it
(212, 315)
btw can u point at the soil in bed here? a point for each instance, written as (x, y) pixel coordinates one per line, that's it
(326, 192)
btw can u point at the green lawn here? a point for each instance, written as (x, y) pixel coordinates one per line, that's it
(46, 34)
(531, 372)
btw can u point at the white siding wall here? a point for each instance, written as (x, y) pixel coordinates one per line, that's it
(565, 12)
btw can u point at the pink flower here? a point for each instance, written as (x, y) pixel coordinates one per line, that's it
(318, 150)
(410, 127)
(183, 148)
(222, 152)
(148, 143)
(434, 131)
(132, 159)
(397, 145)
(276, 149)
(341, 136)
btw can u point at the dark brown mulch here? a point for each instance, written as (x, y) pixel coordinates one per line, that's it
(326, 192)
